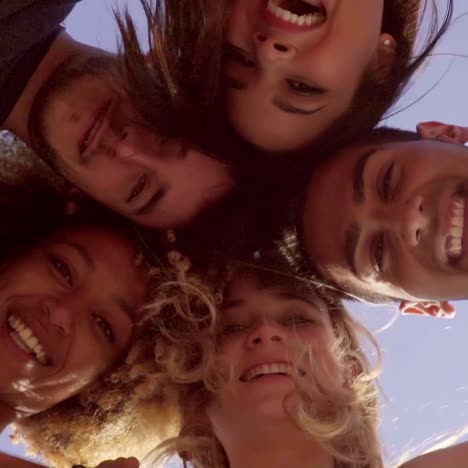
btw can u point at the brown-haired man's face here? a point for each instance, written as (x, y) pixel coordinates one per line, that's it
(390, 219)
(88, 126)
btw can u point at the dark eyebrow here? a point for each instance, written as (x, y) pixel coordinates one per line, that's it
(290, 109)
(352, 235)
(234, 84)
(84, 254)
(126, 308)
(296, 296)
(358, 176)
(231, 303)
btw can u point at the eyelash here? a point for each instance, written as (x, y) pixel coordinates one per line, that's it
(297, 319)
(238, 56)
(378, 254)
(105, 328)
(62, 268)
(233, 329)
(387, 182)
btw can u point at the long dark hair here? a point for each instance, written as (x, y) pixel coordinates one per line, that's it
(186, 50)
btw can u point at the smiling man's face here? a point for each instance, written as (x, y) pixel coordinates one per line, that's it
(389, 219)
(87, 126)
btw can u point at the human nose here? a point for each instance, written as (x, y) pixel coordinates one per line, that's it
(415, 220)
(270, 50)
(264, 333)
(60, 315)
(128, 148)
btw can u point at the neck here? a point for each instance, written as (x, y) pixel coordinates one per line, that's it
(7, 416)
(275, 446)
(62, 48)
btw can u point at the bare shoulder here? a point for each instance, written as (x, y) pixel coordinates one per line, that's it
(14, 462)
(453, 457)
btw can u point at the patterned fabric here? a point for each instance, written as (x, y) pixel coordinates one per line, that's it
(18, 163)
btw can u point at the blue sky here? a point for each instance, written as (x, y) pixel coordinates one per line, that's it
(425, 377)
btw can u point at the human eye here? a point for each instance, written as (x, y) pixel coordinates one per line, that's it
(104, 327)
(387, 182)
(61, 268)
(378, 254)
(232, 329)
(302, 88)
(238, 55)
(297, 319)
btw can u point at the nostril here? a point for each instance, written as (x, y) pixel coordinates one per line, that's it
(280, 47)
(418, 235)
(261, 37)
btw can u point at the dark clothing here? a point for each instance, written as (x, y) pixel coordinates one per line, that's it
(27, 30)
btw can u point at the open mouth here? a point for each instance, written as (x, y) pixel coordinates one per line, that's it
(262, 370)
(456, 227)
(25, 339)
(303, 13)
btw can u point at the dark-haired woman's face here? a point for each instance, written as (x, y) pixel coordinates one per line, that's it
(262, 329)
(66, 314)
(293, 67)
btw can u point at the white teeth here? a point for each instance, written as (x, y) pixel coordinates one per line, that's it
(24, 338)
(457, 221)
(268, 369)
(456, 232)
(291, 18)
(92, 132)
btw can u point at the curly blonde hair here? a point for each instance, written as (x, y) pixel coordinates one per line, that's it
(126, 412)
(188, 358)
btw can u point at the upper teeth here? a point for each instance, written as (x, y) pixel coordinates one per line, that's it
(267, 369)
(24, 338)
(457, 220)
(290, 17)
(92, 132)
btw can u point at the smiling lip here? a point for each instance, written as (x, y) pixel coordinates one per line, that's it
(16, 343)
(267, 369)
(453, 238)
(272, 19)
(96, 124)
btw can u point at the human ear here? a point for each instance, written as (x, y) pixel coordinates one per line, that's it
(442, 309)
(443, 132)
(386, 55)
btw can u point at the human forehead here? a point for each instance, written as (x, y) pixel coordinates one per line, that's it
(101, 247)
(251, 293)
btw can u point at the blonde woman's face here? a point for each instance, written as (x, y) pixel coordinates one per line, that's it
(66, 313)
(287, 83)
(262, 328)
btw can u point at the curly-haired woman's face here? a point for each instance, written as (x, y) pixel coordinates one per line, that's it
(66, 314)
(293, 67)
(263, 328)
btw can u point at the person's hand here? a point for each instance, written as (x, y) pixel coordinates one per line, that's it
(120, 463)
